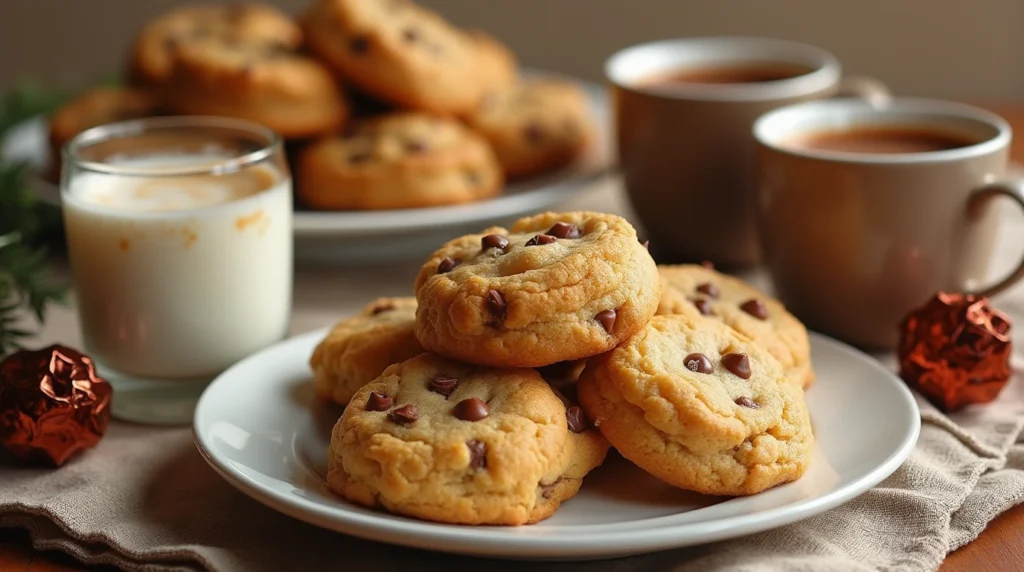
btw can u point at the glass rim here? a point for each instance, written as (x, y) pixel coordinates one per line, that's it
(135, 127)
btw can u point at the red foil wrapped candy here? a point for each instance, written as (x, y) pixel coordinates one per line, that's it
(955, 350)
(52, 404)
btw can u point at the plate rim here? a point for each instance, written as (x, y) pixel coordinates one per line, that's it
(494, 541)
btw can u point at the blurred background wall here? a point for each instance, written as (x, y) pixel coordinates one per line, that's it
(964, 49)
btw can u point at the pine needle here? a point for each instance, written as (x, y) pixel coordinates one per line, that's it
(25, 282)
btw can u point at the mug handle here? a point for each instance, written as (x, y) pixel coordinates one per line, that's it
(864, 87)
(981, 196)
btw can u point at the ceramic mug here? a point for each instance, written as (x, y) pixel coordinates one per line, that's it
(854, 240)
(684, 147)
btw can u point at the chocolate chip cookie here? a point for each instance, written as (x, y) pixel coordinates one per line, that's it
(444, 441)
(536, 125)
(360, 348)
(555, 287)
(407, 54)
(695, 289)
(700, 406)
(292, 94)
(403, 160)
(152, 54)
(97, 107)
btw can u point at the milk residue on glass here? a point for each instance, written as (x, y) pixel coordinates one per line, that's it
(162, 192)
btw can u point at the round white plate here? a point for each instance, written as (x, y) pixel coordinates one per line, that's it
(356, 236)
(260, 426)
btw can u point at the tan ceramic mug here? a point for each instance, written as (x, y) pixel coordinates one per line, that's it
(866, 211)
(684, 146)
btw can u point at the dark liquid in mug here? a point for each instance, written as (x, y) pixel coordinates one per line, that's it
(732, 74)
(884, 140)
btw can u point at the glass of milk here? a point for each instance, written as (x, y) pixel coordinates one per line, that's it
(179, 233)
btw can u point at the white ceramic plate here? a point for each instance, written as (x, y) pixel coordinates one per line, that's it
(260, 426)
(351, 237)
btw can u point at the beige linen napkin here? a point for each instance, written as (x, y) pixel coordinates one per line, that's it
(145, 500)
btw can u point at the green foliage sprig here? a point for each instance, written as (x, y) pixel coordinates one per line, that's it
(25, 282)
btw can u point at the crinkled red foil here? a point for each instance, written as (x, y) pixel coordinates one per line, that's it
(52, 405)
(955, 350)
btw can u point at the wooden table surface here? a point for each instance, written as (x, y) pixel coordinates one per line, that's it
(999, 548)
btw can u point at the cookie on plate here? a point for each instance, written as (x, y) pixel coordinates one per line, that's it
(360, 348)
(694, 289)
(151, 61)
(496, 66)
(290, 93)
(700, 406)
(403, 160)
(535, 126)
(97, 107)
(449, 442)
(407, 54)
(555, 287)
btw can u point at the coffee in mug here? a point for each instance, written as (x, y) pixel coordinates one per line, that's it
(867, 211)
(895, 139)
(737, 73)
(683, 111)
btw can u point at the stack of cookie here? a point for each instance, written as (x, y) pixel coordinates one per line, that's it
(384, 103)
(490, 395)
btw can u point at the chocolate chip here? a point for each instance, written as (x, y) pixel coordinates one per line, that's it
(359, 157)
(564, 230)
(541, 239)
(755, 308)
(708, 264)
(472, 409)
(171, 43)
(576, 419)
(379, 402)
(473, 178)
(446, 265)
(703, 306)
(380, 309)
(698, 363)
(404, 415)
(646, 244)
(415, 146)
(569, 392)
(548, 490)
(745, 401)
(496, 304)
(708, 288)
(477, 454)
(737, 364)
(359, 45)
(607, 319)
(493, 241)
(534, 134)
(444, 385)
(411, 35)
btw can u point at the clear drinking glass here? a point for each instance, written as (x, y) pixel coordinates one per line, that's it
(179, 233)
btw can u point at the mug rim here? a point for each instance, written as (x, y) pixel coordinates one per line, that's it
(772, 121)
(825, 69)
